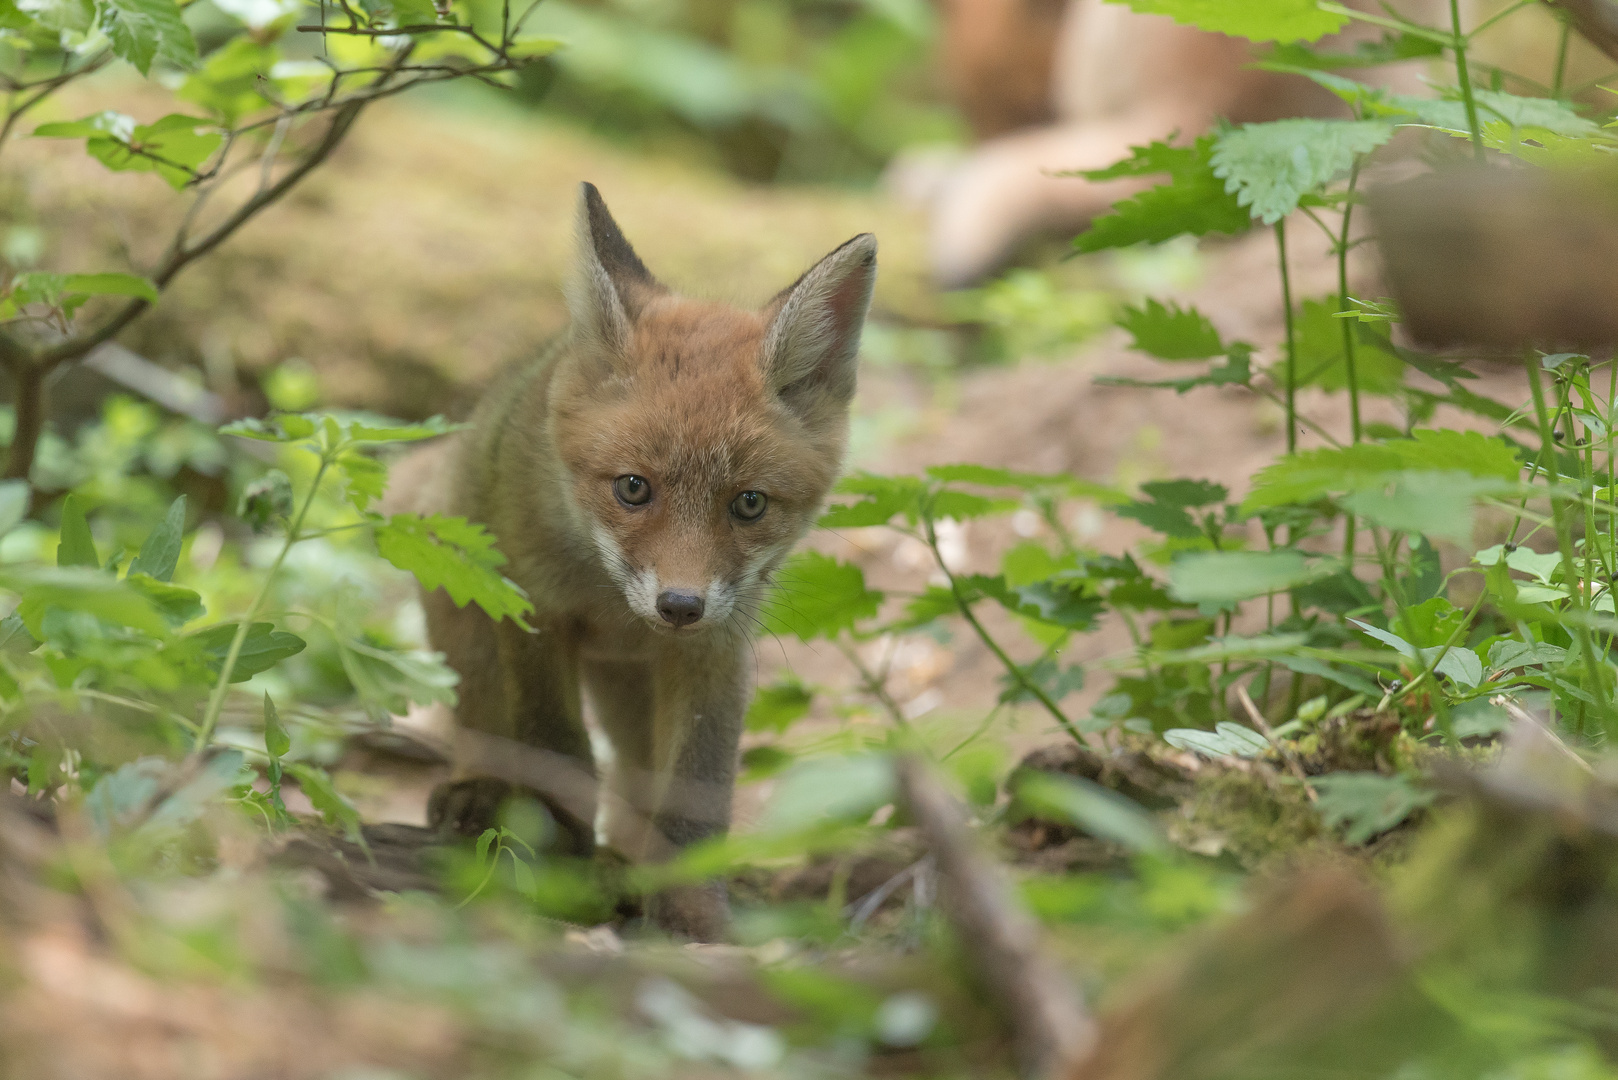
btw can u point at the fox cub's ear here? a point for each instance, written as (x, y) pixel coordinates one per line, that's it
(815, 326)
(610, 284)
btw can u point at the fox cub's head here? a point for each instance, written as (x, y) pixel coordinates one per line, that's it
(700, 439)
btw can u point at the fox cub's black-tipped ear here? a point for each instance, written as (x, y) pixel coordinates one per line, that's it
(815, 326)
(610, 284)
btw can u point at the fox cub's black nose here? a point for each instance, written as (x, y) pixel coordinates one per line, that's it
(679, 608)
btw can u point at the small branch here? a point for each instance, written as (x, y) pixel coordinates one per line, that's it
(28, 400)
(1294, 766)
(1050, 1027)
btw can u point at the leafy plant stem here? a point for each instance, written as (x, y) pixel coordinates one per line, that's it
(1351, 376)
(872, 682)
(1560, 72)
(216, 700)
(1292, 360)
(1012, 667)
(1463, 79)
(1564, 542)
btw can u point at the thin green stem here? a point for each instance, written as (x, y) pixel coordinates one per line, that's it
(1464, 79)
(1012, 667)
(1558, 76)
(1351, 375)
(216, 700)
(1292, 358)
(1564, 543)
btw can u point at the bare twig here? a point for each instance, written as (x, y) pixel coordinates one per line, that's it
(1294, 766)
(1050, 1027)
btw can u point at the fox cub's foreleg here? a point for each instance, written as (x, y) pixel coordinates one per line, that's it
(525, 688)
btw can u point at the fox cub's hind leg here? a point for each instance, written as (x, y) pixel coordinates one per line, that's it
(517, 686)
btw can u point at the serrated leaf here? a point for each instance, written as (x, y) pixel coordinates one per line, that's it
(1256, 20)
(1364, 804)
(1496, 105)
(1186, 493)
(364, 477)
(456, 555)
(1168, 520)
(1448, 450)
(1393, 48)
(1149, 160)
(264, 647)
(1507, 655)
(818, 596)
(142, 31)
(1171, 332)
(77, 546)
(1194, 202)
(1216, 577)
(1321, 361)
(1312, 474)
(1270, 166)
(160, 553)
(1432, 504)
(885, 497)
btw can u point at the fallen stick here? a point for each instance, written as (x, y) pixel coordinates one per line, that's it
(1049, 1025)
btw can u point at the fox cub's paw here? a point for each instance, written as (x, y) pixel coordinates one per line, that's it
(468, 807)
(695, 912)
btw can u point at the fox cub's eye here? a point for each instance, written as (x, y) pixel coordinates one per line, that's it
(749, 505)
(632, 490)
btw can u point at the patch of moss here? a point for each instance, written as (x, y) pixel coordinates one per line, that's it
(1254, 819)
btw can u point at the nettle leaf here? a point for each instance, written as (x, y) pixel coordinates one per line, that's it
(1193, 202)
(77, 546)
(1269, 167)
(1435, 504)
(1166, 519)
(1217, 577)
(776, 708)
(1394, 48)
(1235, 371)
(145, 30)
(1497, 105)
(160, 554)
(1188, 493)
(456, 555)
(1056, 681)
(365, 478)
(264, 647)
(818, 596)
(1171, 332)
(1148, 160)
(1446, 449)
(1364, 804)
(1313, 474)
(885, 497)
(1256, 20)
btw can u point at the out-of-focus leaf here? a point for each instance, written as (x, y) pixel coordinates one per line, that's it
(264, 647)
(77, 547)
(1320, 359)
(84, 589)
(456, 555)
(1433, 504)
(180, 605)
(1193, 202)
(324, 796)
(1099, 811)
(830, 789)
(1364, 804)
(276, 740)
(776, 708)
(818, 596)
(1256, 20)
(15, 498)
(1217, 577)
(160, 554)
(390, 680)
(1226, 740)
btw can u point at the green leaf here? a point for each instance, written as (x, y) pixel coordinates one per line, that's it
(365, 477)
(76, 547)
(1496, 105)
(80, 588)
(1312, 474)
(1434, 504)
(1387, 637)
(1186, 493)
(1321, 361)
(145, 30)
(112, 285)
(818, 596)
(1226, 740)
(160, 554)
(533, 46)
(1364, 804)
(1148, 160)
(1193, 202)
(776, 708)
(1171, 333)
(171, 147)
(324, 796)
(816, 793)
(392, 431)
(1168, 520)
(1448, 450)
(178, 604)
(1269, 167)
(276, 740)
(390, 680)
(230, 84)
(885, 496)
(1256, 20)
(1394, 48)
(1099, 811)
(264, 647)
(1215, 577)
(456, 555)
(15, 498)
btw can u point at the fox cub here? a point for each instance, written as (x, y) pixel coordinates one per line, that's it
(644, 476)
